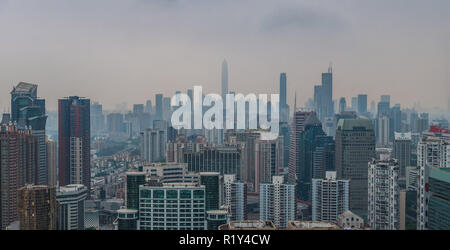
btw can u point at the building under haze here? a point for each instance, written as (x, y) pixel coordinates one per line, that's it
(355, 147)
(74, 141)
(70, 205)
(277, 202)
(37, 207)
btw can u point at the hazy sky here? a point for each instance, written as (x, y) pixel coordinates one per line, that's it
(115, 51)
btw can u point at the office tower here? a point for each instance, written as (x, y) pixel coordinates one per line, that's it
(396, 120)
(284, 107)
(402, 151)
(225, 160)
(159, 106)
(18, 164)
(330, 197)
(216, 218)
(277, 202)
(172, 207)
(211, 181)
(6, 118)
(439, 198)
(70, 206)
(235, 198)
(421, 124)
(383, 109)
(384, 194)
(297, 128)
(224, 80)
(268, 160)
(28, 110)
(170, 172)
(362, 104)
(134, 180)
(432, 152)
(115, 123)
(316, 156)
(285, 133)
(383, 131)
(342, 105)
(74, 138)
(355, 104)
(214, 136)
(323, 96)
(373, 108)
(52, 162)
(138, 108)
(97, 118)
(355, 147)
(153, 145)
(127, 219)
(37, 208)
(385, 98)
(148, 107)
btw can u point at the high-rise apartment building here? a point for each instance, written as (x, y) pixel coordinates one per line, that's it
(330, 198)
(268, 160)
(172, 207)
(235, 198)
(383, 194)
(18, 166)
(29, 110)
(433, 153)
(355, 147)
(74, 141)
(277, 202)
(70, 206)
(402, 151)
(37, 207)
(153, 145)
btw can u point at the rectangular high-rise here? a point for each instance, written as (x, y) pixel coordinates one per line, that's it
(330, 197)
(402, 151)
(74, 141)
(70, 205)
(362, 104)
(37, 207)
(29, 110)
(18, 166)
(277, 202)
(235, 198)
(355, 147)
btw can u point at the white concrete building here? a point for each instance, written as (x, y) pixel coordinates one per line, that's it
(330, 198)
(384, 194)
(235, 197)
(70, 201)
(277, 202)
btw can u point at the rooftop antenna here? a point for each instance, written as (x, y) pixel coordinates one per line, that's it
(295, 101)
(330, 68)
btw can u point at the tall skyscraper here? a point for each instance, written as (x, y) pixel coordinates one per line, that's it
(97, 118)
(342, 105)
(439, 199)
(18, 165)
(383, 127)
(297, 127)
(330, 197)
(153, 145)
(277, 202)
(52, 162)
(134, 180)
(37, 207)
(355, 147)
(211, 181)
(224, 79)
(402, 151)
(70, 204)
(316, 156)
(362, 104)
(235, 198)
(29, 110)
(159, 106)
(74, 141)
(284, 107)
(268, 160)
(323, 96)
(384, 194)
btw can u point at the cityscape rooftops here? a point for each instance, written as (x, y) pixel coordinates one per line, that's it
(311, 225)
(249, 225)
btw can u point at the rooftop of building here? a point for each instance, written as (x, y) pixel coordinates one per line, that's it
(353, 124)
(249, 225)
(402, 136)
(218, 212)
(127, 211)
(24, 87)
(311, 225)
(71, 188)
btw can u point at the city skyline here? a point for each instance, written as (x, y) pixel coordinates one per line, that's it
(144, 48)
